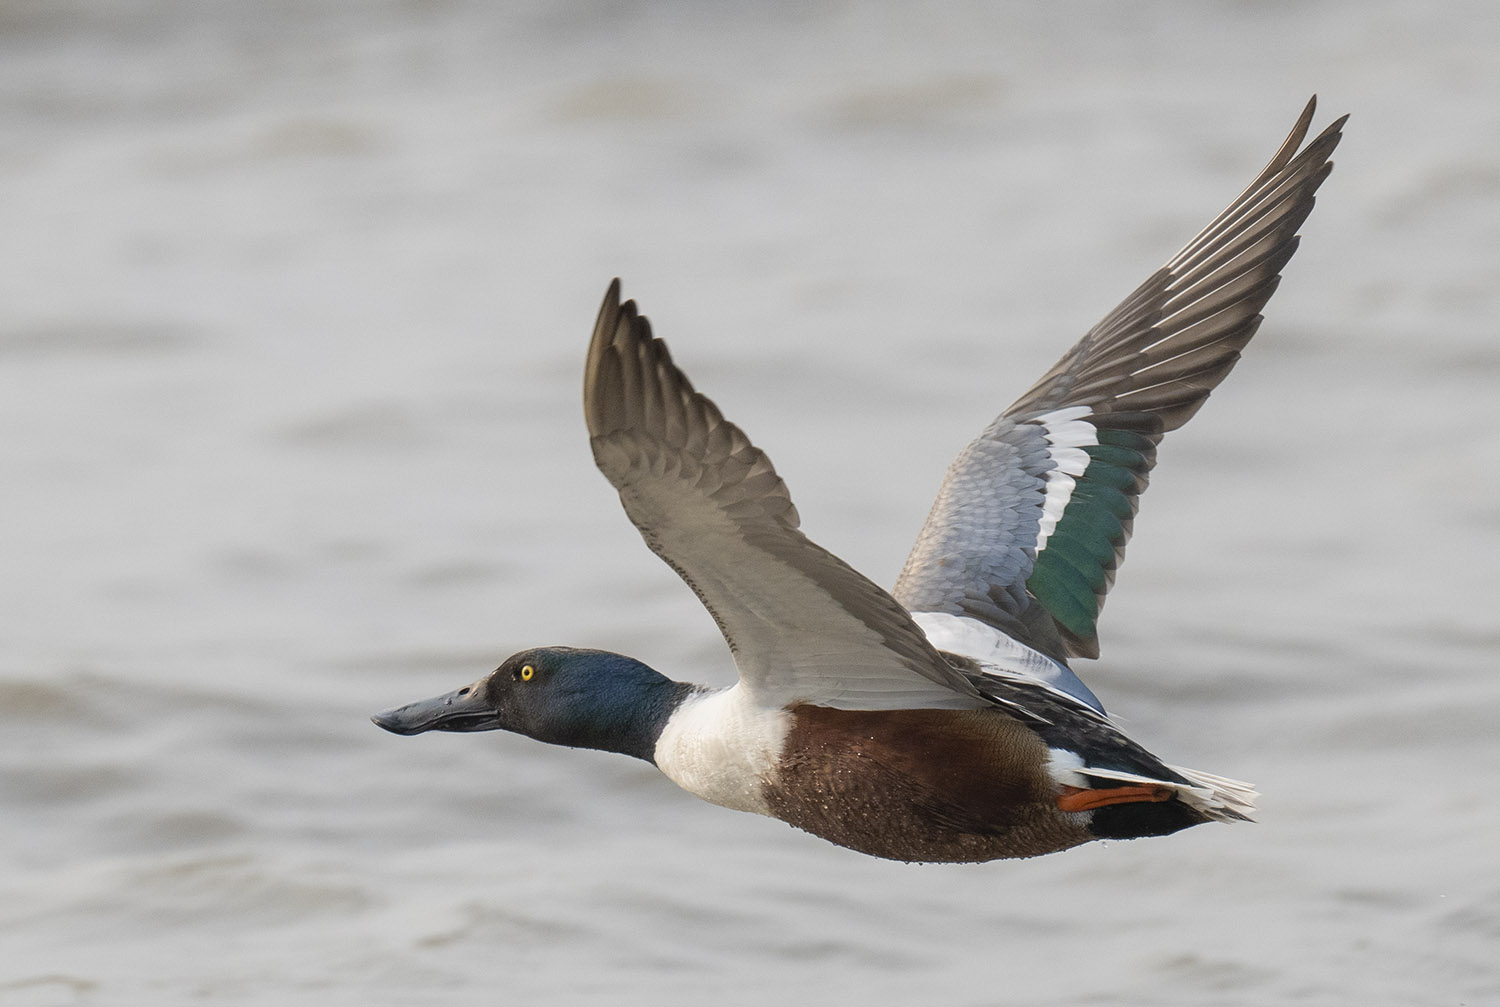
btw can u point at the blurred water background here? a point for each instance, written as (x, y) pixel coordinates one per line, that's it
(293, 304)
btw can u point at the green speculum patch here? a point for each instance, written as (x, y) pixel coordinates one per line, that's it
(1072, 570)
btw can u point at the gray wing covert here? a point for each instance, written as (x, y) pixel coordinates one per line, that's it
(971, 557)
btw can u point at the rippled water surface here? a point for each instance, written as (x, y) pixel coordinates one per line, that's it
(293, 308)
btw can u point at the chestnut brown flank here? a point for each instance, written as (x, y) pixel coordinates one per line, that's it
(928, 785)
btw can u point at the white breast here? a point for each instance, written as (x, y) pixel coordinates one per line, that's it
(722, 747)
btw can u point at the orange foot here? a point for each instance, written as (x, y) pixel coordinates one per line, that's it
(1074, 799)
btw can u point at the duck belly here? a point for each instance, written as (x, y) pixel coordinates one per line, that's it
(921, 785)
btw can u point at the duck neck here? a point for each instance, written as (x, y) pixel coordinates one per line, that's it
(626, 710)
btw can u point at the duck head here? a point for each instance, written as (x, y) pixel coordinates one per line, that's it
(560, 695)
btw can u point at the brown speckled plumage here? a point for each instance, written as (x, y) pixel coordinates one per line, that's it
(925, 785)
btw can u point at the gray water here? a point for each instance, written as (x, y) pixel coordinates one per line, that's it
(293, 305)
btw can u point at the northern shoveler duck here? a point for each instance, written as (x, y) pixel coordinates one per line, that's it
(938, 721)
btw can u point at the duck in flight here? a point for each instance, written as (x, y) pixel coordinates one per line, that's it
(937, 721)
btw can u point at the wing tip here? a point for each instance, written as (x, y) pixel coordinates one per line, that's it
(616, 322)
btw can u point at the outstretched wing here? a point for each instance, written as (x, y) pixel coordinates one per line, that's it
(1032, 519)
(803, 625)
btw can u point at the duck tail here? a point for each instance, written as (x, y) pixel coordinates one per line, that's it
(1216, 798)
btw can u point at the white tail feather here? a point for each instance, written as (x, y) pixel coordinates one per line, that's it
(1218, 797)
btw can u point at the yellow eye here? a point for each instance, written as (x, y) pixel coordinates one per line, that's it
(527, 672)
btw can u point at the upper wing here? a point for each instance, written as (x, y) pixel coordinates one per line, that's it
(803, 625)
(1032, 519)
